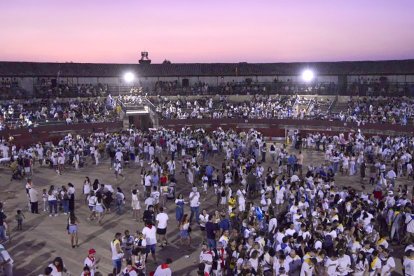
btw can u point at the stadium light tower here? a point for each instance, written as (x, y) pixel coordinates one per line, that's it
(129, 77)
(308, 75)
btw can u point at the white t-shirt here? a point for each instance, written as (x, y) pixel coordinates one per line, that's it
(408, 266)
(376, 266)
(150, 235)
(148, 180)
(90, 263)
(162, 219)
(277, 265)
(331, 266)
(194, 202)
(55, 272)
(118, 155)
(390, 264)
(92, 200)
(206, 257)
(290, 232)
(149, 201)
(4, 255)
(344, 263)
(130, 273)
(163, 272)
(306, 268)
(272, 224)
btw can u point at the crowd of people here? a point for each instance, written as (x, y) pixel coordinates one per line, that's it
(374, 86)
(260, 107)
(392, 110)
(31, 113)
(389, 110)
(46, 89)
(10, 89)
(274, 213)
(364, 110)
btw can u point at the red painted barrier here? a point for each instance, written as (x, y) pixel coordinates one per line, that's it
(25, 136)
(277, 127)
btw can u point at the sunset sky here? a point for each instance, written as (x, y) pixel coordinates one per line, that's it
(116, 31)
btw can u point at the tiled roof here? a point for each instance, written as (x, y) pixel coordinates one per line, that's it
(204, 69)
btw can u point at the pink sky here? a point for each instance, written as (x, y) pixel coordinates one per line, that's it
(117, 31)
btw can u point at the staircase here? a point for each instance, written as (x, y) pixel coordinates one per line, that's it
(338, 107)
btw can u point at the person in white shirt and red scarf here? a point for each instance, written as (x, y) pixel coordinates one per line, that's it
(164, 269)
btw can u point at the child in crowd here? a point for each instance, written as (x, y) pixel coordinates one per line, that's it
(19, 219)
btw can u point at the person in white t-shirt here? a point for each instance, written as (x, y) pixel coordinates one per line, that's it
(118, 169)
(195, 205)
(61, 163)
(280, 265)
(129, 270)
(118, 155)
(6, 261)
(332, 265)
(408, 262)
(375, 265)
(162, 219)
(206, 257)
(164, 269)
(388, 263)
(307, 268)
(150, 236)
(344, 263)
(91, 261)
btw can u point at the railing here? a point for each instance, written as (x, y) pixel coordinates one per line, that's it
(393, 89)
(70, 91)
(333, 103)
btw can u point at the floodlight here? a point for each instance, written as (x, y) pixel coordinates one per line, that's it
(129, 77)
(308, 75)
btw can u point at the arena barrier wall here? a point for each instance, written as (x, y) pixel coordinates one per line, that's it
(276, 128)
(53, 133)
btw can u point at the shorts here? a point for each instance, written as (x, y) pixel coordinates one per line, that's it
(161, 231)
(150, 248)
(279, 201)
(91, 208)
(73, 229)
(99, 209)
(135, 205)
(117, 264)
(184, 234)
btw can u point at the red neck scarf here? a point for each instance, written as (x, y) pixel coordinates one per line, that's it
(164, 266)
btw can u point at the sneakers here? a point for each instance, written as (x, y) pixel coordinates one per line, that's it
(50, 215)
(56, 215)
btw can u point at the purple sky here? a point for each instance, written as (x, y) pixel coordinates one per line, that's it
(206, 31)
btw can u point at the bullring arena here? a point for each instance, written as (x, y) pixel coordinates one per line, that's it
(208, 116)
(206, 138)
